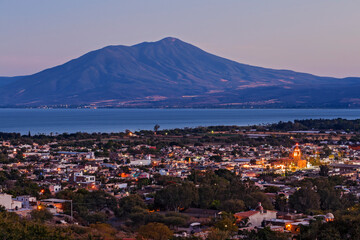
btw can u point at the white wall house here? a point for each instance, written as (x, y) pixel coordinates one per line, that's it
(54, 189)
(9, 203)
(25, 200)
(144, 162)
(257, 216)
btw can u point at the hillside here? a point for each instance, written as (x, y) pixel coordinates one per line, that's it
(172, 73)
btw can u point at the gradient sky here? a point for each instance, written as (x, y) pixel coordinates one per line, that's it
(315, 36)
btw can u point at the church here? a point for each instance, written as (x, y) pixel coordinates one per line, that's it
(295, 157)
(293, 161)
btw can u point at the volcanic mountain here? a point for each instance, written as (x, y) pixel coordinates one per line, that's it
(172, 73)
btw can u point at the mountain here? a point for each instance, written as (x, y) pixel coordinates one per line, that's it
(172, 73)
(7, 80)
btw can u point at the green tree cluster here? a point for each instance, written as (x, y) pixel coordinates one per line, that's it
(220, 190)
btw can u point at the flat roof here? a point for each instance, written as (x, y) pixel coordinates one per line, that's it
(55, 200)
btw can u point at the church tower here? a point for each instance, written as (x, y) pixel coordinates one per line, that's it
(296, 154)
(296, 157)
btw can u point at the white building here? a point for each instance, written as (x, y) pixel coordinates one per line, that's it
(79, 177)
(54, 189)
(145, 162)
(256, 217)
(9, 203)
(26, 200)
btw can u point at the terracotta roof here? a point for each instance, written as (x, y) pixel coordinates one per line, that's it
(245, 214)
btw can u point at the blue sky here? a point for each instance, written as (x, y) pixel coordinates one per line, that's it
(316, 36)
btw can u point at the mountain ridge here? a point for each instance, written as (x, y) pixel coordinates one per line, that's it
(173, 73)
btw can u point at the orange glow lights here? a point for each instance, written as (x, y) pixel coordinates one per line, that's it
(288, 227)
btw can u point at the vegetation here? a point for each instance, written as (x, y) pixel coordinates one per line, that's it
(154, 231)
(41, 215)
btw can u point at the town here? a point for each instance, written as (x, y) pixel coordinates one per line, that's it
(290, 180)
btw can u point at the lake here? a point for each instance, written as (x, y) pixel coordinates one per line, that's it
(115, 120)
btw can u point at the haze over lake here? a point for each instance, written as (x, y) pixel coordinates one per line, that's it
(115, 120)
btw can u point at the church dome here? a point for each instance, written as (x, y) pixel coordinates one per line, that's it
(259, 208)
(329, 217)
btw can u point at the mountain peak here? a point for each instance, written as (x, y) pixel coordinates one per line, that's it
(170, 40)
(173, 73)
(165, 41)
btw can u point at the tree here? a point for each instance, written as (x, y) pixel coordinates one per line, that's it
(154, 231)
(41, 215)
(254, 198)
(232, 205)
(224, 173)
(329, 198)
(264, 234)
(174, 197)
(281, 203)
(216, 158)
(217, 234)
(174, 221)
(206, 195)
(97, 217)
(3, 158)
(106, 230)
(128, 204)
(226, 224)
(156, 128)
(305, 199)
(86, 203)
(15, 227)
(329, 234)
(326, 231)
(324, 170)
(272, 189)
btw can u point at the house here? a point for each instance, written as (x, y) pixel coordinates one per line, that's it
(79, 177)
(54, 189)
(144, 162)
(256, 217)
(9, 203)
(26, 200)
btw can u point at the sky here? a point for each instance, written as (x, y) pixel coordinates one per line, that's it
(321, 37)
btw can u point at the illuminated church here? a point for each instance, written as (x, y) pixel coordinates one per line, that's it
(293, 161)
(295, 157)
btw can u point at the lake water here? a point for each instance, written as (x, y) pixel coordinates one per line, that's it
(115, 120)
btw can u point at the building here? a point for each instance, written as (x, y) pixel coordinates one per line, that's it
(26, 200)
(84, 181)
(54, 189)
(296, 157)
(79, 177)
(144, 162)
(9, 203)
(255, 217)
(294, 160)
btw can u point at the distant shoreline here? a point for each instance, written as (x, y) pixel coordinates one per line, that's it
(119, 119)
(178, 108)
